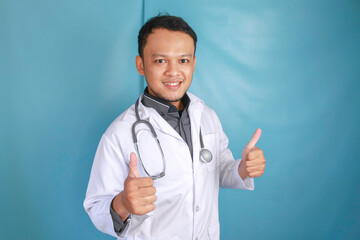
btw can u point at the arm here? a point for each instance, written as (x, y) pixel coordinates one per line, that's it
(110, 181)
(229, 168)
(108, 173)
(239, 173)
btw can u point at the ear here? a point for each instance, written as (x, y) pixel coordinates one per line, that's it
(139, 65)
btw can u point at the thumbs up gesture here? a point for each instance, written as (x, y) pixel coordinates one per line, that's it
(253, 160)
(138, 196)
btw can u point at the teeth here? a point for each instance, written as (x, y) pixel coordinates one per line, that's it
(172, 84)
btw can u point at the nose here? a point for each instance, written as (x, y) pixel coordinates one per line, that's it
(172, 69)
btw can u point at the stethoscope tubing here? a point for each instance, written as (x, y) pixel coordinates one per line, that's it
(205, 154)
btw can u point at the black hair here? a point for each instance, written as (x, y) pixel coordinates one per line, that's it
(165, 21)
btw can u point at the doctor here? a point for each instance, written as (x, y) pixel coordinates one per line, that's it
(121, 199)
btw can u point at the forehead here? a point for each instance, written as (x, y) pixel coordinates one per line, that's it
(163, 41)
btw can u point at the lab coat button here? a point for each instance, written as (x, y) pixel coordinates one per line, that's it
(197, 208)
(196, 238)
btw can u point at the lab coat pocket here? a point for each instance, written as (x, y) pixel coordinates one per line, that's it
(214, 232)
(210, 143)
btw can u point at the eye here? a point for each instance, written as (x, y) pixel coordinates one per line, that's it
(184, 60)
(160, 60)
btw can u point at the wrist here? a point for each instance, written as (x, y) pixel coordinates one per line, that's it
(242, 170)
(119, 207)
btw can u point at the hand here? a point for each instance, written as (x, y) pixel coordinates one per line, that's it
(138, 196)
(253, 160)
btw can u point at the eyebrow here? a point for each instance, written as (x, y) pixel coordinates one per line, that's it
(164, 55)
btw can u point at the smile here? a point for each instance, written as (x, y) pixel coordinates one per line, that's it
(172, 84)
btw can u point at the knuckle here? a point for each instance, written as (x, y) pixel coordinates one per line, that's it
(147, 181)
(150, 181)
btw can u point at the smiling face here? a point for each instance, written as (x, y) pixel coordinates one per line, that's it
(168, 64)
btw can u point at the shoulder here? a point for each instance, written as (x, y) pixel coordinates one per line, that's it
(121, 126)
(208, 116)
(198, 101)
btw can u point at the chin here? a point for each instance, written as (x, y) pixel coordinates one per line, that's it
(173, 98)
(169, 95)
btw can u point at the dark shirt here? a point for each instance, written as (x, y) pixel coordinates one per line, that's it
(179, 120)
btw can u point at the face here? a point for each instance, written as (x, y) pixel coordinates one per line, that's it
(168, 64)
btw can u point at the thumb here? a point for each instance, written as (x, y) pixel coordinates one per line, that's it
(254, 139)
(133, 166)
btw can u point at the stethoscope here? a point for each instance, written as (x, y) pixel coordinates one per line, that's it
(205, 154)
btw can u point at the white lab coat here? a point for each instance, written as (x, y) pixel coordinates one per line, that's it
(187, 196)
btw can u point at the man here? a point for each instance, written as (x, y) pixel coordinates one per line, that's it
(122, 200)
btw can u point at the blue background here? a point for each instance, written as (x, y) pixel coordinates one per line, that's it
(291, 68)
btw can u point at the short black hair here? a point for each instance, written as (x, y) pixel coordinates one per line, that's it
(166, 21)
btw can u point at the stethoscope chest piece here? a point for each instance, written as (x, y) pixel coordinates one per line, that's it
(205, 155)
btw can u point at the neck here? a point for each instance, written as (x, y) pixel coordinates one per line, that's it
(179, 105)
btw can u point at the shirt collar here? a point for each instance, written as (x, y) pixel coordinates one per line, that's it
(162, 106)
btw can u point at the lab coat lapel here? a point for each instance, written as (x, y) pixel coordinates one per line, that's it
(195, 112)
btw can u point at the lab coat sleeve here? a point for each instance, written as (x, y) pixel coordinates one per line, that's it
(107, 177)
(229, 174)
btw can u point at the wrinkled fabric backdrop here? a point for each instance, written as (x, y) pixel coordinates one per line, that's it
(291, 68)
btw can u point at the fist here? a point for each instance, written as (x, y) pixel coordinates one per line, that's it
(138, 196)
(253, 160)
